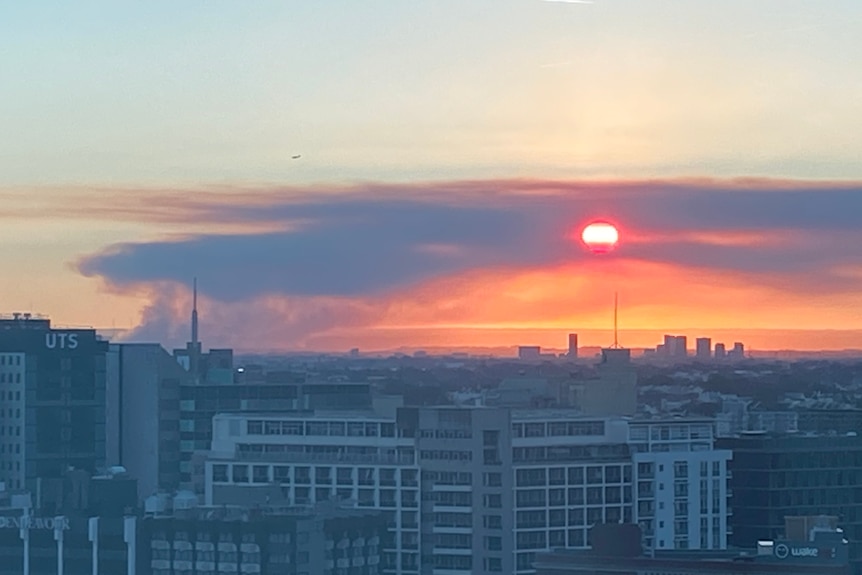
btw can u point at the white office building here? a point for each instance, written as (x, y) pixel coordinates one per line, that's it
(681, 483)
(275, 459)
(476, 490)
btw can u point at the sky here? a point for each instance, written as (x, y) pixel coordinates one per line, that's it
(450, 153)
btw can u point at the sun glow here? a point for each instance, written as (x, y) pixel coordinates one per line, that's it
(600, 237)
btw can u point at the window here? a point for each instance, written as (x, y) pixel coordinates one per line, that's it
(531, 540)
(281, 473)
(530, 519)
(491, 457)
(317, 428)
(387, 477)
(493, 543)
(646, 470)
(531, 498)
(260, 474)
(576, 496)
(344, 476)
(220, 473)
(491, 438)
(530, 477)
(525, 561)
(302, 475)
(323, 475)
(408, 478)
(557, 538)
(493, 479)
(557, 476)
(291, 428)
(557, 518)
(240, 474)
(557, 497)
(576, 538)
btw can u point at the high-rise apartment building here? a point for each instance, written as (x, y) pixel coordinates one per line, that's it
(477, 490)
(52, 392)
(681, 481)
(573, 346)
(738, 352)
(703, 348)
(675, 346)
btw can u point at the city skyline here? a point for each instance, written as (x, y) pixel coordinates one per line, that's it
(332, 192)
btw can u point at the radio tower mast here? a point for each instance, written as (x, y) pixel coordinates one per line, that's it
(616, 325)
(195, 351)
(195, 313)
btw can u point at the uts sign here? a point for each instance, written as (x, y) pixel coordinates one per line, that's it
(61, 340)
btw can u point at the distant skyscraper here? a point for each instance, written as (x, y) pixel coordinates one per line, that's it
(675, 346)
(669, 345)
(681, 346)
(703, 348)
(720, 351)
(738, 351)
(573, 345)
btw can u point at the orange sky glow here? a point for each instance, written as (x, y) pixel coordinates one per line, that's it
(495, 305)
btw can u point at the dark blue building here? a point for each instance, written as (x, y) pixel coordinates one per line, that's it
(52, 404)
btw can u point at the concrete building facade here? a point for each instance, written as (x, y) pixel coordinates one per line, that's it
(475, 490)
(681, 481)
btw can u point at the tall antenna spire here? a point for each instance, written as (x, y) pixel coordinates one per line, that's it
(616, 326)
(195, 313)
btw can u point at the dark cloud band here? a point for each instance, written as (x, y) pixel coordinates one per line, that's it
(371, 239)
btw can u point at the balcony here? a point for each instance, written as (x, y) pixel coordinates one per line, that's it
(330, 458)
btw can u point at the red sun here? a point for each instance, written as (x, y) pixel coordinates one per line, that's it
(600, 237)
